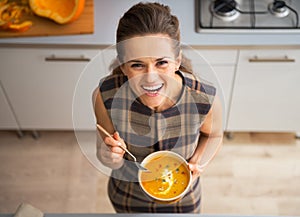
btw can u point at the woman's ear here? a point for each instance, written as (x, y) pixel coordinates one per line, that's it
(122, 67)
(178, 60)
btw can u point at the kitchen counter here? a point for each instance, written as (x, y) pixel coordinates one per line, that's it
(108, 12)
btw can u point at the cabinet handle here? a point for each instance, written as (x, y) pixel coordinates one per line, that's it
(255, 59)
(54, 58)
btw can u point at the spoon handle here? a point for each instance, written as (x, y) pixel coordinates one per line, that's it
(104, 131)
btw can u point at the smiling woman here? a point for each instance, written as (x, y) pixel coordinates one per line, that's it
(150, 103)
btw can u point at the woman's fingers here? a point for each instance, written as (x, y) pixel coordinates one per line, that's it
(119, 139)
(110, 152)
(111, 141)
(116, 136)
(117, 150)
(196, 170)
(114, 145)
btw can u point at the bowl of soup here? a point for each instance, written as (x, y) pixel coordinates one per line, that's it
(168, 177)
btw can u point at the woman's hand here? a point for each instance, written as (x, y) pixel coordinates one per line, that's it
(196, 170)
(108, 149)
(112, 154)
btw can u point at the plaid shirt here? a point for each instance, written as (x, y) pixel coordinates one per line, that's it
(145, 131)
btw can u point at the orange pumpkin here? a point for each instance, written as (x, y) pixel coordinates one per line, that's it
(61, 11)
(22, 27)
(10, 17)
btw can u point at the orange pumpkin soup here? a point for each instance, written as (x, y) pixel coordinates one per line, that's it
(168, 178)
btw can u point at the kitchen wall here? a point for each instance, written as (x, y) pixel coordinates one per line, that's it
(108, 12)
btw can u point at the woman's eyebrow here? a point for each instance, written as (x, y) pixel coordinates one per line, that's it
(165, 58)
(140, 61)
(159, 59)
(130, 61)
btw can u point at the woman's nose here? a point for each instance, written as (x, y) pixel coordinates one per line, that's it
(151, 77)
(151, 74)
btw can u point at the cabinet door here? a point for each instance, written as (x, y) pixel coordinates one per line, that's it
(7, 118)
(266, 91)
(225, 75)
(220, 65)
(41, 84)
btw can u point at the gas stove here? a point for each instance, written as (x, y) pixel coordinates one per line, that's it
(250, 16)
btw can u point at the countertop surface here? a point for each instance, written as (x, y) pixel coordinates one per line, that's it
(108, 12)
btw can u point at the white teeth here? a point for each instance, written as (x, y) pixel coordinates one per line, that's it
(152, 88)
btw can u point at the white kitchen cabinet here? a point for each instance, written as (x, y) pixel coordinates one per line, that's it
(225, 75)
(219, 68)
(266, 92)
(7, 118)
(40, 83)
(223, 65)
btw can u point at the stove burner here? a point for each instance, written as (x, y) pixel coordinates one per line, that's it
(279, 8)
(225, 10)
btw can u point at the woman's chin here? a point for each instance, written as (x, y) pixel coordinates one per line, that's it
(152, 100)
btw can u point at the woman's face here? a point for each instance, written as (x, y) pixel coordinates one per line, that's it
(150, 65)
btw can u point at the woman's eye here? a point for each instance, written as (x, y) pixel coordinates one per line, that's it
(162, 63)
(137, 65)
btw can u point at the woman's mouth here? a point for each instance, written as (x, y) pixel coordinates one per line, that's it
(152, 90)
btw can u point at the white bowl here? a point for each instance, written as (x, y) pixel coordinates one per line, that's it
(169, 178)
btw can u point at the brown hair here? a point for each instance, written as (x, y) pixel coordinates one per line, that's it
(150, 18)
